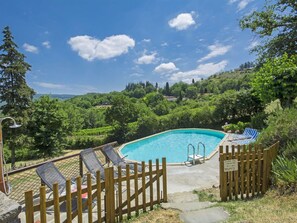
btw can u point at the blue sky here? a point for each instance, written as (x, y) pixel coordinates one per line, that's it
(76, 47)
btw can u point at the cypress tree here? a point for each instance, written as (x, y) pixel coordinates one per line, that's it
(15, 95)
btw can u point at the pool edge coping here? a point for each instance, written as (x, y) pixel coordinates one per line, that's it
(176, 164)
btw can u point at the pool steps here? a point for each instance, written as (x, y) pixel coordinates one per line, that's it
(195, 155)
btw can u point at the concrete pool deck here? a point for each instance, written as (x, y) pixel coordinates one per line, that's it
(183, 180)
(199, 176)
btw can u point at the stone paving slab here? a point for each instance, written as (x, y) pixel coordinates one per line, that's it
(182, 197)
(209, 215)
(186, 207)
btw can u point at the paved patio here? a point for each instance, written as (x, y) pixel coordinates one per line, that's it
(188, 178)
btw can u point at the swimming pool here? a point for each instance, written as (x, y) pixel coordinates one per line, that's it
(172, 145)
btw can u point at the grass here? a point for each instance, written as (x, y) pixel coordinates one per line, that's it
(269, 208)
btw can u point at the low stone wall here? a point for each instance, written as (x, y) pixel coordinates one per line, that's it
(9, 210)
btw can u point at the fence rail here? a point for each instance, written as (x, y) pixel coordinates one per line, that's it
(245, 170)
(25, 179)
(114, 198)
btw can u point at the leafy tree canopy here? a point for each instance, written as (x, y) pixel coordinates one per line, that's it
(48, 126)
(276, 25)
(277, 79)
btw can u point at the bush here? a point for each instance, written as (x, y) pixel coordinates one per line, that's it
(291, 149)
(258, 121)
(282, 127)
(239, 127)
(82, 142)
(285, 174)
(95, 131)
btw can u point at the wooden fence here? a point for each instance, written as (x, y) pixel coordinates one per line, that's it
(114, 198)
(25, 179)
(245, 170)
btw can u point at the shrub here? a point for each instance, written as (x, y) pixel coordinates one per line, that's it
(82, 142)
(239, 127)
(285, 174)
(258, 121)
(282, 127)
(291, 149)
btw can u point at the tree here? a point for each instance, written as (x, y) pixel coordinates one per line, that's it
(48, 126)
(191, 92)
(277, 79)
(277, 26)
(15, 94)
(119, 115)
(167, 89)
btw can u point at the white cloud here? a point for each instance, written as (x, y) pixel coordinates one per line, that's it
(146, 40)
(216, 50)
(46, 44)
(252, 45)
(30, 48)
(182, 21)
(241, 3)
(202, 71)
(50, 85)
(164, 44)
(146, 59)
(136, 75)
(90, 48)
(166, 68)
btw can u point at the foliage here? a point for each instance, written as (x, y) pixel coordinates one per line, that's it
(291, 149)
(122, 111)
(239, 127)
(276, 25)
(74, 116)
(230, 80)
(14, 91)
(147, 125)
(282, 126)
(139, 90)
(277, 79)
(95, 131)
(285, 173)
(82, 142)
(233, 105)
(258, 121)
(48, 126)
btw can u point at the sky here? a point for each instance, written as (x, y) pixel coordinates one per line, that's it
(79, 47)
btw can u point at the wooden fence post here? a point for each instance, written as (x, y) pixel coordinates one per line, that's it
(42, 204)
(265, 159)
(90, 200)
(143, 186)
(98, 195)
(79, 200)
(109, 191)
(81, 169)
(56, 202)
(164, 179)
(29, 206)
(68, 201)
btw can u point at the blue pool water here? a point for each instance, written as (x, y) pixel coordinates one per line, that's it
(172, 145)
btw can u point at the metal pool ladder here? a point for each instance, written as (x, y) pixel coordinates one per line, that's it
(195, 155)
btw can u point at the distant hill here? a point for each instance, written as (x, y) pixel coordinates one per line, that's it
(58, 96)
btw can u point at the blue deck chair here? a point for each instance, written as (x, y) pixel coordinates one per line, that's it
(247, 141)
(248, 133)
(117, 160)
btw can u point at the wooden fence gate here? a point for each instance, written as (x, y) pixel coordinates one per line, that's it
(245, 170)
(114, 198)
